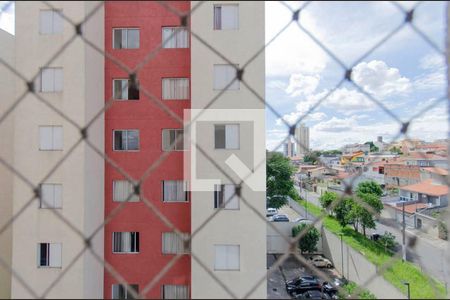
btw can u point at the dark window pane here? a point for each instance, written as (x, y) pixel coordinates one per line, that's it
(217, 17)
(219, 136)
(122, 292)
(133, 140)
(119, 140)
(43, 259)
(133, 90)
(117, 38)
(179, 140)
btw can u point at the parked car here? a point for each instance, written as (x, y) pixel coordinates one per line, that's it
(320, 261)
(333, 286)
(302, 220)
(271, 212)
(302, 284)
(312, 294)
(280, 218)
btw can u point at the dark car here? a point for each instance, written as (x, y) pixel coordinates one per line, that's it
(332, 287)
(312, 294)
(280, 218)
(302, 284)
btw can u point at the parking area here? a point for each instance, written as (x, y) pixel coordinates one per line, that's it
(291, 268)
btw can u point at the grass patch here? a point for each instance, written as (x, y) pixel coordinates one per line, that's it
(422, 285)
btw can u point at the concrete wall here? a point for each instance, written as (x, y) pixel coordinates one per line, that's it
(238, 227)
(277, 243)
(357, 268)
(7, 98)
(81, 174)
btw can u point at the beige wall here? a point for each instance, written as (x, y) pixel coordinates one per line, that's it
(81, 174)
(238, 227)
(6, 154)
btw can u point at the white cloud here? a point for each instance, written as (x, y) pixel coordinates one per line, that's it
(432, 61)
(349, 100)
(276, 84)
(378, 79)
(302, 85)
(293, 117)
(434, 76)
(336, 125)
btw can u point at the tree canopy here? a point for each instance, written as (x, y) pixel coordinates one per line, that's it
(279, 181)
(308, 242)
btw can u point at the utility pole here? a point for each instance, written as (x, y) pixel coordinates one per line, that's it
(306, 204)
(404, 234)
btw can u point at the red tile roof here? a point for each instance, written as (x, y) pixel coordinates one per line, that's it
(436, 170)
(427, 187)
(411, 208)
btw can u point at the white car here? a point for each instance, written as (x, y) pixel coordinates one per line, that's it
(320, 261)
(271, 212)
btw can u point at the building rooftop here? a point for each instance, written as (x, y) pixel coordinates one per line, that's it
(427, 187)
(426, 156)
(410, 208)
(436, 170)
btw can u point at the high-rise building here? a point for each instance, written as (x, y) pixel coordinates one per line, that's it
(288, 149)
(302, 139)
(138, 242)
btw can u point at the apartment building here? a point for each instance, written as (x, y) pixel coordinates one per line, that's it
(302, 139)
(136, 133)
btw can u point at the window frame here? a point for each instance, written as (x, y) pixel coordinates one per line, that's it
(136, 243)
(126, 29)
(187, 193)
(53, 91)
(216, 200)
(162, 139)
(41, 200)
(53, 141)
(114, 181)
(57, 11)
(176, 99)
(184, 250)
(238, 137)
(126, 289)
(227, 245)
(49, 264)
(128, 90)
(163, 45)
(126, 150)
(235, 66)
(183, 285)
(221, 16)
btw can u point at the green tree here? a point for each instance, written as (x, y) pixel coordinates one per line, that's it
(387, 240)
(308, 242)
(326, 199)
(279, 181)
(312, 157)
(369, 187)
(396, 150)
(342, 211)
(373, 148)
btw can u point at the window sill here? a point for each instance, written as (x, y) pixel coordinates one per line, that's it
(125, 253)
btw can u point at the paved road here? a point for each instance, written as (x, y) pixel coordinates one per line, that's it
(428, 253)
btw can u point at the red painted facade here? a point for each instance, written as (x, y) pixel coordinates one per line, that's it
(145, 115)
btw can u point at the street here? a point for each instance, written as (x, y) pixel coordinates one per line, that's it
(428, 252)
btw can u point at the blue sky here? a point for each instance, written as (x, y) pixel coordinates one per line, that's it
(405, 73)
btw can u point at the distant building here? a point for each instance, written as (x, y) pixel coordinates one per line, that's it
(288, 149)
(302, 139)
(353, 148)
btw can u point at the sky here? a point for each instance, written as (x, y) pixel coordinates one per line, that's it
(405, 74)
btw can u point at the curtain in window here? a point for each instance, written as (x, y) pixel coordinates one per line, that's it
(175, 88)
(226, 257)
(123, 190)
(230, 197)
(172, 243)
(174, 190)
(174, 37)
(223, 76)
(55, 255)
(175, 292)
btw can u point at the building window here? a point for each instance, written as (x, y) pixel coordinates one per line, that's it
(175, 88)
(175, 37)
(175, 191)
(226, 257)
(225, 196)
(126, 140)
(120, 291)
(51, 196)
(170, 291)
(125, 90)
(51, 80)
(224, 77)
(123, 190)
(50, 22)
(172, 243)
(173, 139)
(226, 17)
(226, 136)
(126, 38)
(125, 242)
(49, 255)
(50, 138)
